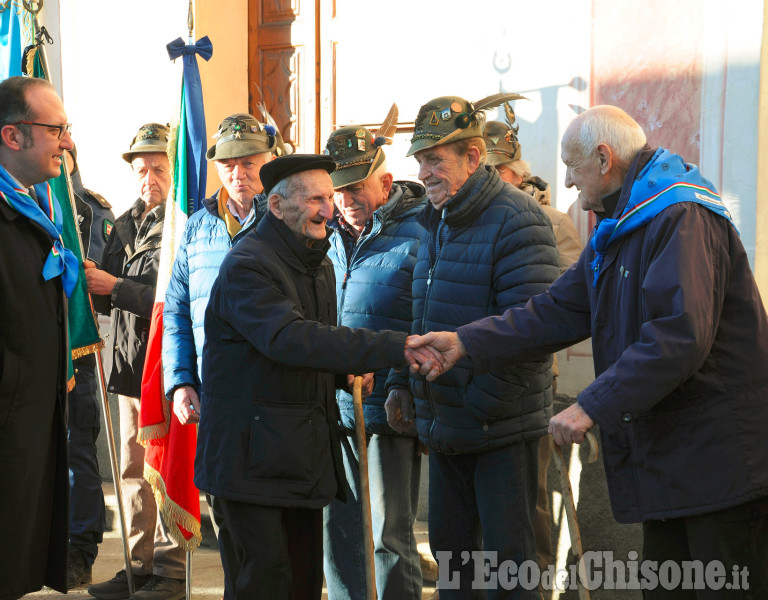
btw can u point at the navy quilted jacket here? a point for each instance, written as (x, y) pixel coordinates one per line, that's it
(497, 250)
(373, 289)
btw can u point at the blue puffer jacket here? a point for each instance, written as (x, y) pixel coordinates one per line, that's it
(201, 252)
(373, 289)
(497, 251)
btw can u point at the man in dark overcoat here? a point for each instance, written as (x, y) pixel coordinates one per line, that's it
(268, 446)
(36, 272)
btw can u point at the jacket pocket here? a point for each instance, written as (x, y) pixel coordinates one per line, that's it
(10, 374)
(282, 444)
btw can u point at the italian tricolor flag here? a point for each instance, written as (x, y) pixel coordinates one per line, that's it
(170, 446)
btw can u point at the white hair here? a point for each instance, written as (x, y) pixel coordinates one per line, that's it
(520, 167)
(609, 125)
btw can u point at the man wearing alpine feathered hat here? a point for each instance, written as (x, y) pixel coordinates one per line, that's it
(488, 247)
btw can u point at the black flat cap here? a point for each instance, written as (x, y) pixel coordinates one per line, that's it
(276, 170)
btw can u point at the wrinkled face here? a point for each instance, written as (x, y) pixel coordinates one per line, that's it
(240, 176)
(509, 175)
(153, 172)
(357, 202)
(583, 172)
(42, 148)
(442, 172)
(309, 207)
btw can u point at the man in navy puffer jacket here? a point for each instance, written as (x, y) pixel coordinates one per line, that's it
(489, 247)
(373, 250)
(243, 145)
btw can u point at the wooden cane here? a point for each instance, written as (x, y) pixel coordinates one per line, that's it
(570, 506)
(365, 493)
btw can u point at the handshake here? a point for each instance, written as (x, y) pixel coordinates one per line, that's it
(434, 353)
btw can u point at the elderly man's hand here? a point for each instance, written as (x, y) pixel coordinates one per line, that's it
(368, 383)
(570, 425)
(186, 405)
(99, 282)
(434, 353)
(400, 411)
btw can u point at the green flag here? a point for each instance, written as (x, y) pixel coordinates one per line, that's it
(83, 327)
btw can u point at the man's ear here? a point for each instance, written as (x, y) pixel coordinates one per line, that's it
(473, 158)
(386, 182)
(12, 137)
(604, 158)
(275, 207)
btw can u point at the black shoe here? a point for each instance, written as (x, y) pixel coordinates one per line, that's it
(78, 570)
(117, 587)
(161, 588)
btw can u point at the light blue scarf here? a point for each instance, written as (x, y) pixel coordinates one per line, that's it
(664, 181)
(47, 214)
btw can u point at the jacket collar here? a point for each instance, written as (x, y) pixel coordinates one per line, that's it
(300, 257)
(472, 199)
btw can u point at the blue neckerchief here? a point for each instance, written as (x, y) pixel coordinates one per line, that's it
(47, 214)
(664, 181)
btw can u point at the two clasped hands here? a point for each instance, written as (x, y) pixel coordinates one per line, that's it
(434, 353)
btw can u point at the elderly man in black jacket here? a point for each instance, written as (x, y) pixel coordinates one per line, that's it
(125, 286)
(268, 445)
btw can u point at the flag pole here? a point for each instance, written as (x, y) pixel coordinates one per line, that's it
(188, 574)
(99, 365)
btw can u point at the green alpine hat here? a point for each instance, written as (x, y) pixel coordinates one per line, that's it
(357, 152)
(242, 135)
(152, 137)
(501, 139)
(450, 119)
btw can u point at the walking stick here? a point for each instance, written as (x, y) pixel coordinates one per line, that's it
(570, 506)
(365, 493)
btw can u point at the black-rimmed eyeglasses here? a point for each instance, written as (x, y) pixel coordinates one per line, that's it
(62, 128)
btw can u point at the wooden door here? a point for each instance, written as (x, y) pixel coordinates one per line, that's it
(283, 60)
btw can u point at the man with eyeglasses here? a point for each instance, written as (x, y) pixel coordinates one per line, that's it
(242, 146)
(125, 287)
(36, 272)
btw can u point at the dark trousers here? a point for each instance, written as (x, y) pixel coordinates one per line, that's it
(280, 550)
(230, 561)
(737, 537)
(482, 501)
(87, 519)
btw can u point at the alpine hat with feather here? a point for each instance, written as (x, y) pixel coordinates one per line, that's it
(501, 139)
(241, 135)
(450, 119)
(357, 152)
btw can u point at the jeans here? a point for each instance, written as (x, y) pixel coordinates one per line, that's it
(394, 470)
(87, 518)
(482, 501)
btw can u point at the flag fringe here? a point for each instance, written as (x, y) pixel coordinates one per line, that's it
(86, 350)
(174, 515)
(150, 433)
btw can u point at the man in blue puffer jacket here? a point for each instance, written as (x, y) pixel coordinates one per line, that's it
(243, 145)
(373, 250)
(489, 247)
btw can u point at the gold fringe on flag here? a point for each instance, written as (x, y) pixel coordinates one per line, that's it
(157, 431)
(86, 350)
(173, 514)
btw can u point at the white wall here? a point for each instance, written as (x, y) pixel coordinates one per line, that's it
(116, 76)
